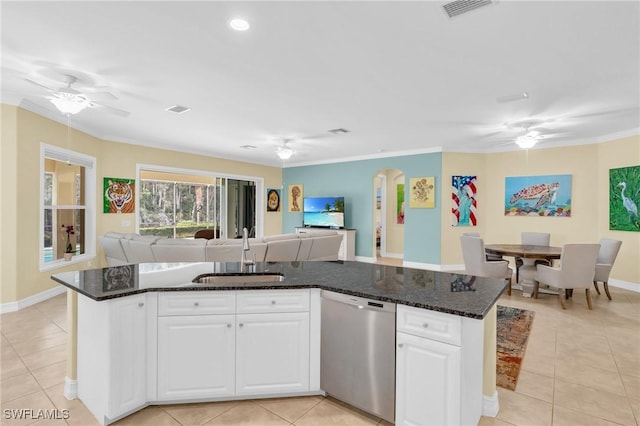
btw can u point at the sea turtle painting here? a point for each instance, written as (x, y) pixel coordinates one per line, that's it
(538, 196)
(546, 194)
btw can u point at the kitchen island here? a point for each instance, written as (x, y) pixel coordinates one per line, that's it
(147, 334)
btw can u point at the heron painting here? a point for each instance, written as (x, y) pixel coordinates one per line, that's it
(624, 199)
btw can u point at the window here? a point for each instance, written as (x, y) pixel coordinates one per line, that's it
(175, 203)
(67, 189)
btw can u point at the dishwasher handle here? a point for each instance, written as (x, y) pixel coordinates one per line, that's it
(359, 302)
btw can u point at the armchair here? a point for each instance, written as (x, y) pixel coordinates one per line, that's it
(577, 269)
(608, 252)
(476, 263)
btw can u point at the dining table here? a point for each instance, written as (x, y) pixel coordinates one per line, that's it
(525, 251)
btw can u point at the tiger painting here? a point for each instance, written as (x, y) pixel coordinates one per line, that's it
(119, 195)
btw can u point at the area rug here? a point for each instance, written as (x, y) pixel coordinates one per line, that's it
(513, 327)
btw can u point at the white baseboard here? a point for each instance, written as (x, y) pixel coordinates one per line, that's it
(490, 405)
(70, 388)
(625, 285)
(31, 300)
(365, 259)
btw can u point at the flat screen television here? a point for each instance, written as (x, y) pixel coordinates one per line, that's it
(323, 212)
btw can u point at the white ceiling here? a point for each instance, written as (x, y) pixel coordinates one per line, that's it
(403, 77)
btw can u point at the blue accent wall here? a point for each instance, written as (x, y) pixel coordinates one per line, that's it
(354, 181)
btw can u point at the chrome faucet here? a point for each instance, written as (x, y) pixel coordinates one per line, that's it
(245, 248)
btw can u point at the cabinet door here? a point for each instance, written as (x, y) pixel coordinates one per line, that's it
(272, 353)
(427, 382)
(196, 356)
(127, 343)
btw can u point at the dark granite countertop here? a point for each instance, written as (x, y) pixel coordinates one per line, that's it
(463, 295)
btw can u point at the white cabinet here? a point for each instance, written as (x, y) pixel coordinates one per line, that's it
(347, 249)
(229, 343)
(427, 382)
(272, 353)
(438, 368)
(196, 356)
(113, 355)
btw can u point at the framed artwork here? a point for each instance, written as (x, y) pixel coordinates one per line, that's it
(378, 198)
(423, 193)
(624, 198)
(119, 195)
(538, 196)
(400, 204)
(295, 198)
(273, 200)
(463, 198)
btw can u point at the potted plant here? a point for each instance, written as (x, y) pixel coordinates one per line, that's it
(69, 250)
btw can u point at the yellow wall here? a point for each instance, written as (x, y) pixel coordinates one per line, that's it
(589, 167)
(22, 133)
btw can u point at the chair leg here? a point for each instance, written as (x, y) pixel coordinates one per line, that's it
(595, 284)
(509, 288)
(517, 274)
(606, 289)
(536, 286)
(589, 298)
(561, 300)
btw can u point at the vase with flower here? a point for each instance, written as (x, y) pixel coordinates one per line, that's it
(69, 249)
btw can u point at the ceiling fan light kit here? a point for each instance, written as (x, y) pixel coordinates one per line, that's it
(526, 141)
(69, 103)
(284, 152)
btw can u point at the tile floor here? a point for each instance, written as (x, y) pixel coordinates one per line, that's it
(581, 368)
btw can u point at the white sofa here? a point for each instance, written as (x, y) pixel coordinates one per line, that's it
(121, 249)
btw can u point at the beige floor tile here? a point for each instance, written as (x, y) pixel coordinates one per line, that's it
(45, 357)
(492, 421)
(20, 317)
(523, 410)
(18, 386)
(150, 416)
(248, 414)
(197, 414)
(588, 356)
(535, 385)
(17, 414)
(51, 375)
(632, 386)
(328, 412)
(593, 402)
(538, 364)
(28, 331)
(11, 365)
(566, 417)
(78, 414)
(40, 343)
(384, 423)
(290, 409)
(592, 377)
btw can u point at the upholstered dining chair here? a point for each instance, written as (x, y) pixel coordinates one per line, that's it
(532, 239)
(489, 256)
(476, 263)
(577, 269)
(608, 252)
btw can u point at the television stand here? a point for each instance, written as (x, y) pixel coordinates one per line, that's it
(348, 245)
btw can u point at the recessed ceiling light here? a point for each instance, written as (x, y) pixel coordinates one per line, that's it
(239, 24)
(248, 147)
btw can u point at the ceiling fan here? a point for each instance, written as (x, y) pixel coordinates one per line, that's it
(71, 101)
(285, 151)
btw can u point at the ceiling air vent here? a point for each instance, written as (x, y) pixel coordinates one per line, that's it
(339, 131)
(179, 109)
(459, 7)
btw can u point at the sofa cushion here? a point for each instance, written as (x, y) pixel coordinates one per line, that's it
(179, 250)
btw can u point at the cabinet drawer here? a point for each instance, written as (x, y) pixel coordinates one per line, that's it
(433, 325)
(255, 302)
(196, 303)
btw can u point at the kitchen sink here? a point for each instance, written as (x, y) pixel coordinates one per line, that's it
(237, 278)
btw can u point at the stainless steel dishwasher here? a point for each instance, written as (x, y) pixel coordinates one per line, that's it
(358, 352)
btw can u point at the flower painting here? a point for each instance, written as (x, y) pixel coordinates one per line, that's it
(423, 193)
(624, 198)
(538, 196)
(463, 197)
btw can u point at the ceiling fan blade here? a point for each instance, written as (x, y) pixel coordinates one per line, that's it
(42, 86)
(102, 96)
(115, 111)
